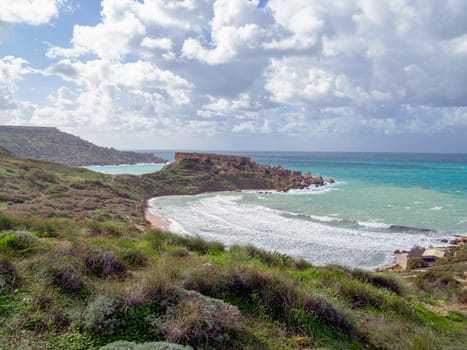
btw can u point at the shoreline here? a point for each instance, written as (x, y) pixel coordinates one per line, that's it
(159, 221)
(163, 222)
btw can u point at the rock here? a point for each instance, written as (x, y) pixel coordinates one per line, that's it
(252, 174)
(329, 180)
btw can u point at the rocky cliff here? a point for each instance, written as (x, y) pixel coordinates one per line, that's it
(247, 173)
(51, 144)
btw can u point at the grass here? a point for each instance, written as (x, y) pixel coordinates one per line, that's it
(85, 272)
(86, 290)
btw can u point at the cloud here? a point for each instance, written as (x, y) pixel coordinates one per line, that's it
(228, 68)
(12, 70)
(30, 12)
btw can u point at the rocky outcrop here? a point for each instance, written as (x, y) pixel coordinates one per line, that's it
(51, 144)
(247, 173)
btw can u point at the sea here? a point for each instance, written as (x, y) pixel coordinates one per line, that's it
(381, 202)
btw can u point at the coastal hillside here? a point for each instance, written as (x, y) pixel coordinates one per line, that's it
(51, 144)
(45, 189)
(80, 269)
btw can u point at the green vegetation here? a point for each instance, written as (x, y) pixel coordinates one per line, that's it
(78, 290)
(80, 269)
(54, 145)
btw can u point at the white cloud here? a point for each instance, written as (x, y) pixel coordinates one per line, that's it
(157, 43)
(298, 67)
(31, 12)
(12, 70)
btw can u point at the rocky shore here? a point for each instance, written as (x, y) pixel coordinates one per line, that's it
(244, 168)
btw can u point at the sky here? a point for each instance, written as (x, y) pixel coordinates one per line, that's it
(303, 75)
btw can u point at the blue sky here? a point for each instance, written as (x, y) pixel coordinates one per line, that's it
(353, 75)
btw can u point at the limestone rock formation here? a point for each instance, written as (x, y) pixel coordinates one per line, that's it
(249, 173)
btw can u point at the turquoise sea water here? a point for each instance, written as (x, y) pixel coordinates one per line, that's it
(134, 169)
(380, 203)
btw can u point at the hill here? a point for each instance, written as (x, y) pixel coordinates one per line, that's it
(80, 270)
(51, 144)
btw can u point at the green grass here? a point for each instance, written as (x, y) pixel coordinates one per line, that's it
(87, 250)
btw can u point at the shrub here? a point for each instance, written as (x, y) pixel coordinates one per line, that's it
(8, 275)
(155, 293)
(440, 284)
(107, 228)
(359, 294)
(104, 264)
(197, 319)
(104, 315)
(299, 264)
(379, 280)
(125, 345)
(7, 222)
(43, 227)
(269, 258)
(19, 242)
(200, 245)
(180, 253)
(68, 278)
(274, 295)
(134, 257)
(157, 238)
(415, 263)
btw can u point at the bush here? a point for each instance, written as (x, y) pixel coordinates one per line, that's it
(379, 280)
(107, 228)
(200, 245)
(359, 294)
(18, 242)
(134, 257)
(125, 345)
(7, 222)
(180, 253)
(273, 295)
(441, 284)
(299, 264)
(68, 278)
(197, 319)
(104, 264)
(8, 275)
(104, 315)
(43, 227)
(269, 258)
(415, 263)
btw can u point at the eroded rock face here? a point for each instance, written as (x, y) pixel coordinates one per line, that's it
(265, 176)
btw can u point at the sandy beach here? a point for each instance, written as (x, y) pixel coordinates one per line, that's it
(159, 221)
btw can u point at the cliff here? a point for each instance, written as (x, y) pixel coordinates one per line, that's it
(51, 144)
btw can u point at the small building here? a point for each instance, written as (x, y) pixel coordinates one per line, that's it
(430, 255)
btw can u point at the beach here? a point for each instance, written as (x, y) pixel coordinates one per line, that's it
(159, 221)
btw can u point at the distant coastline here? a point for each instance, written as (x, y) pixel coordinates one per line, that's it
(51, 144)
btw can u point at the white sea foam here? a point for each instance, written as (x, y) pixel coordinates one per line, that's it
(373, 224)
(226, 218)
(316, 190)
(437, 208)
(322, 218)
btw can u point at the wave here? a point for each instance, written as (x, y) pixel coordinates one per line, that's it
(316, 190)
(319, 239)
(374, 224)
(437, 208)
